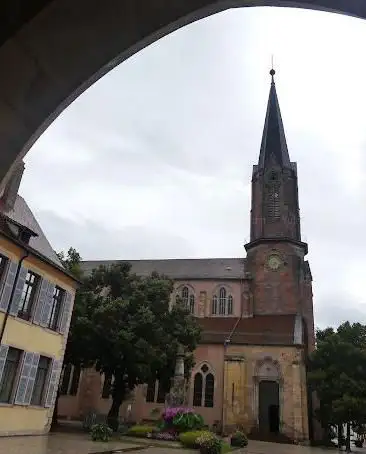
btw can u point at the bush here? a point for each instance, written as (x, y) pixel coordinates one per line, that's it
(189, 439)
(209, 443)
(239, 439)
(182, 419)
(100, 432)
(140, 431)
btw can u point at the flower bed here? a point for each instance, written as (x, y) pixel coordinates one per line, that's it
(181, 419)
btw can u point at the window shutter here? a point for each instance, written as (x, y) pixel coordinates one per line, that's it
(3, 354)
(66, 313)
(53, 383)
(27, 378)
(8, 286)
(32, 379)
(47, 305)
(40, 302)
(18, 291)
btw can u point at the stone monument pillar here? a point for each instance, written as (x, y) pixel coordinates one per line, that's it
(177, 394)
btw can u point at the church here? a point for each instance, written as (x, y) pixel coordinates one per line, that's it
(256, 313)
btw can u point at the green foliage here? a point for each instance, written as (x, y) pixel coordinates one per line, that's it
(189, 439)
(123, 325)
(100, 432)
(71, 262)
(136, 336)
(209, 443)
(337, 372)
(140, 431)
(239, 439)
(188, 422)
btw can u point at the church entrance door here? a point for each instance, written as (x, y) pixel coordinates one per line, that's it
(269, 407)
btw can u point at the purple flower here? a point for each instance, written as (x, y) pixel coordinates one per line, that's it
(171, 413)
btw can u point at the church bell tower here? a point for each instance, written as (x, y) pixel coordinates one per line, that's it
(281, 277)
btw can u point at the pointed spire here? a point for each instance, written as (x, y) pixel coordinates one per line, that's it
(273, 147)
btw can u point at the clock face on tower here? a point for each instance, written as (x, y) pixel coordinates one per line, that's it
(274, 262)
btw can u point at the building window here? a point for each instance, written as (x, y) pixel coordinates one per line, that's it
(40, 381)
(9, 374)
(70, 380)
(28, 295)
(55, 313)
(3, 263)
(188, 299)
(273, 209)
(223, 303)
(204, 388)
(156, 392)
(198, 390)
(107, 386)
(214, 305)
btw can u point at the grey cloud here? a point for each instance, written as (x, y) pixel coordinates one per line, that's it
(183, 120)
(96, 242)
(337, 308)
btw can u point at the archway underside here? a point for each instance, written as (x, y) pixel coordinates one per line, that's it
(53, 50)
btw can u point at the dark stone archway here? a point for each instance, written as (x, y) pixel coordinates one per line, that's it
(52, 50)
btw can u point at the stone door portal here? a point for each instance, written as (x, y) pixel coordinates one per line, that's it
(269, 407)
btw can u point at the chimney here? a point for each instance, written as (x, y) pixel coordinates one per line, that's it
(12, 187)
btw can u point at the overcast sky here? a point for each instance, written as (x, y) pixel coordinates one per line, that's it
(155, 160)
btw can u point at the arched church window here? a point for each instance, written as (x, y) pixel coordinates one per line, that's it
(191, 303)
(197, 390)
(187, 297)
(229, 305)
(204, 388)
(209, 390)
(273, 210)
(214, 305)
(223, 303)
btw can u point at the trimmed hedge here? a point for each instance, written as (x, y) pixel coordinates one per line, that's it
(189, 439)
(140, 431)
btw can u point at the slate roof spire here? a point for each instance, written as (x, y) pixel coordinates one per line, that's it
(274, 147)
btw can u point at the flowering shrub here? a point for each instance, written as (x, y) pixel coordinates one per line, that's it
(168, 436)
(209, 443)
(100, 432)
(190, 439)
(239, 439)
(182, 419)
(140, 431)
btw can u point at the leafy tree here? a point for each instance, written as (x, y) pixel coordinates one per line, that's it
(80, 339)
(136, 332)
(124, 325)
(71, 262)
(338, 374)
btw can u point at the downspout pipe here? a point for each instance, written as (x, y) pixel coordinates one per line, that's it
(26, 254)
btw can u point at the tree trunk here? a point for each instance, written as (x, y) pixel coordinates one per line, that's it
(54, 422)
(348, 438)
(113, 413)
(340, 436)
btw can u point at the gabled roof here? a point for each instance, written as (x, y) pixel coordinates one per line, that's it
(274, 147)
(21, 214)
(180, 269)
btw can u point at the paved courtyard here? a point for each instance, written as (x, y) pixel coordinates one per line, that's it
(81, 444)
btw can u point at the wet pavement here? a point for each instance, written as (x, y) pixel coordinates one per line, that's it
(81, 444)
(61, 444)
